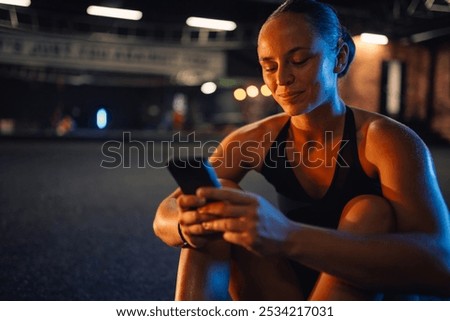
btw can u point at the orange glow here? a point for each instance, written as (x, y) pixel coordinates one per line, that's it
(240, 94)
(265, 91)
(252, 91)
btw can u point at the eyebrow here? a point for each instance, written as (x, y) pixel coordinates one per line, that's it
(291, 51)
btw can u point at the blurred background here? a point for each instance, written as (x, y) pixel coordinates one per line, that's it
(79, 89)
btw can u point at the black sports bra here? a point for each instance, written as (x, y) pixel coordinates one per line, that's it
(349, 181)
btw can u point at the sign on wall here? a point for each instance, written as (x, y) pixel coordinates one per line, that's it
(189, 66)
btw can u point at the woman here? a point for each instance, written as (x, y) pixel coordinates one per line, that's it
(360, 211)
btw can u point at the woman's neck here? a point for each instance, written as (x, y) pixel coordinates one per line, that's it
(315, 123)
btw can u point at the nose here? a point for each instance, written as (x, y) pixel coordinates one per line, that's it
(284, 76)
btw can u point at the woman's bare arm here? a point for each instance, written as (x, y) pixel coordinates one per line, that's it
(165, 224)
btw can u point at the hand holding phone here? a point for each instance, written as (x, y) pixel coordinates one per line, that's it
(191, 173)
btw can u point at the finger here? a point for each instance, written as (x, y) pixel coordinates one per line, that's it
(225, 225)
(195, 230)
(194, 217)
(225, 209)
(195, 235)
(226, 194)
(190, 201)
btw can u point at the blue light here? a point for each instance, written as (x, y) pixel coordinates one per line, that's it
(217, 280)
(102, 118)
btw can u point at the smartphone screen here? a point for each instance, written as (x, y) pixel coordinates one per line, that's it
(192, 172)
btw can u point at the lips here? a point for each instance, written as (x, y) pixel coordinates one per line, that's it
(290, 95)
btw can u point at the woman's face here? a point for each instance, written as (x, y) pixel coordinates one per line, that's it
(297, 66)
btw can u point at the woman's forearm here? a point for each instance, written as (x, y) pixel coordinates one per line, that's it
(397, 262)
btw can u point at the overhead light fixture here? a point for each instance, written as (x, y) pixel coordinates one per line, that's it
(374, 38)
(19, 3)
(207, 23)
(114, 12)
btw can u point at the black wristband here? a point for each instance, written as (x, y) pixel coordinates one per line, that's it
(185, 243)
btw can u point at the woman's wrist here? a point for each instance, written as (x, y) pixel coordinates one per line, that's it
(184, 242)
(291, 247)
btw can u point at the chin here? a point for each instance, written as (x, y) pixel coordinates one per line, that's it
(296, 110)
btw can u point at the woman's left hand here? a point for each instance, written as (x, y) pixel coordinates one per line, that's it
(246, 219)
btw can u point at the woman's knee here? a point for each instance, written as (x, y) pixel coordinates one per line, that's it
(367, 214)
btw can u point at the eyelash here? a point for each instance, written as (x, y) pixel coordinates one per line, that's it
(296, 63)
(301, 62)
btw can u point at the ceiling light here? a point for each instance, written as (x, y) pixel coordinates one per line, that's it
(114, 12)
(20, 3)
(215, 24)
(374, 38)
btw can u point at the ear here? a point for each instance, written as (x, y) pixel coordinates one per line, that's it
(341, 58)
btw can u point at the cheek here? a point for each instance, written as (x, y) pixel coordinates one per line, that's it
(327, 70)
(322, 76)
(270, 82)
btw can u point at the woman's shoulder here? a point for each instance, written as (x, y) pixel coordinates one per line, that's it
(257, 130)
(381, 126)
(249, 143)
(383, 135)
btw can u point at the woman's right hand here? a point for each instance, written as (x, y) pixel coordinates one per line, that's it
(191, 220)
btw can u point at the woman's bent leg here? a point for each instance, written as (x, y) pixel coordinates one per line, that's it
(203, 274)
(259, 278)
(365, 214)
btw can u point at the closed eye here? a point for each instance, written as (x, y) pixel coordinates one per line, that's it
(269, 67)
(301, 62)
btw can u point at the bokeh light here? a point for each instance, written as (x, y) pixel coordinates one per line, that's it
(208, 88)
(240, 94)
(252, 91)
(265, 91)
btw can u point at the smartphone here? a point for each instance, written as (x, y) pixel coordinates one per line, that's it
(192, 172)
